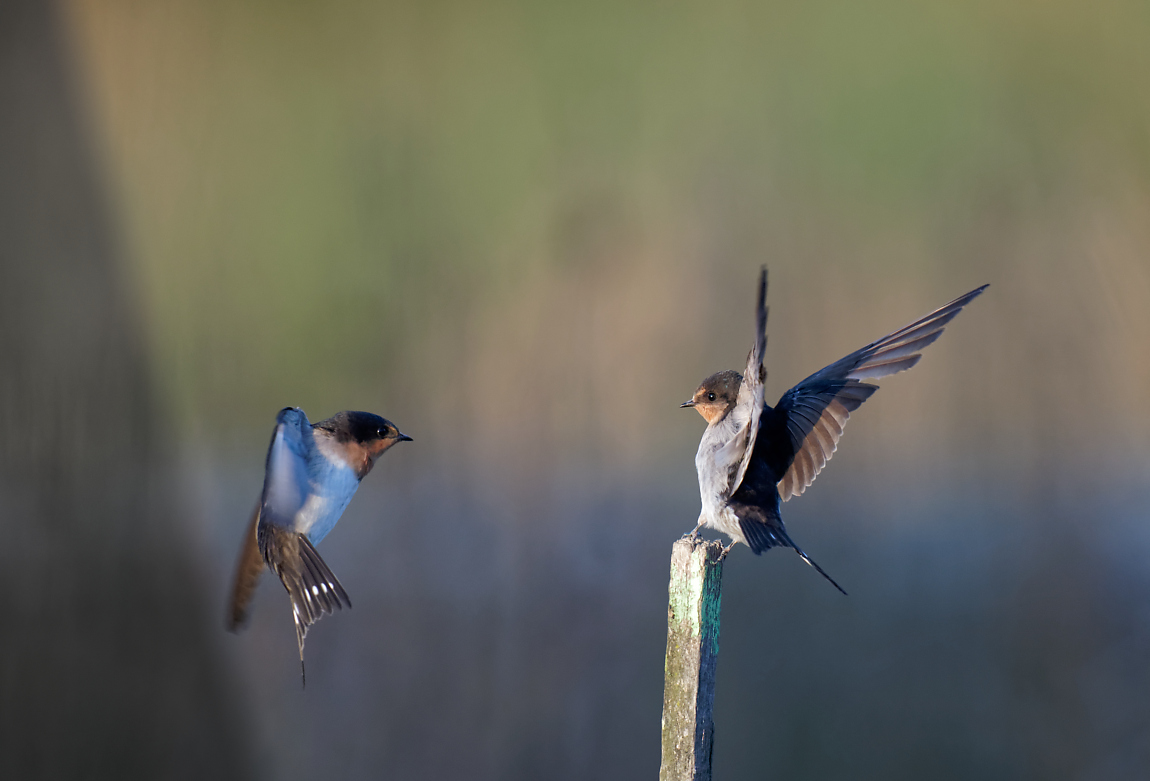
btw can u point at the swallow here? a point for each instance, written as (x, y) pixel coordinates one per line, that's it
(753, 457)
(311, 474)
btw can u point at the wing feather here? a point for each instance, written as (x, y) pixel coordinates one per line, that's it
(877, 369)
(751, 392)
(286, 481)
(908, 348)
(817, 409)
(826, 442)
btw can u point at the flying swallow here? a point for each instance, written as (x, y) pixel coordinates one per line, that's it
(753, 457)
(312, 471)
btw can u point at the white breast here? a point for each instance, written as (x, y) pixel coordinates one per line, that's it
(719, 452)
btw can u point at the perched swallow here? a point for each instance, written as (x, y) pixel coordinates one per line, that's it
(312, 471)
(753, 456)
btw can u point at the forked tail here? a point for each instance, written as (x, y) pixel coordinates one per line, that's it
(811, 561)
(765, 532)
(313, 588)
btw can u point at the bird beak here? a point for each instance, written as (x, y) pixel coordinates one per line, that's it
(404, 438)
(690, 403)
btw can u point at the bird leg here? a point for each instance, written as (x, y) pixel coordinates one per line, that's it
(694, 533)
(727, 550)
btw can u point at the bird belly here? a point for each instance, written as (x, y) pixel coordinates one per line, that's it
(713, 487)
(726, 522)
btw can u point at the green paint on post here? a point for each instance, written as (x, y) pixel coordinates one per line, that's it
(694, 600)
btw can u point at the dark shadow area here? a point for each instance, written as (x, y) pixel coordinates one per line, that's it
(107, 667)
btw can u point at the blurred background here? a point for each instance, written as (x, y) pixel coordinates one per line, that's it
(524, 232)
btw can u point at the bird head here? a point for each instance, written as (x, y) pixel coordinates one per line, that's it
(365, 435)
(716, 395)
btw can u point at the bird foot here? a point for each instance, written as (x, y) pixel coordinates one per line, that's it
(694, 533)
(726, 550)
(694, 538)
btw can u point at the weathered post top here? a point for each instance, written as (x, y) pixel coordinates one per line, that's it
(692, 651)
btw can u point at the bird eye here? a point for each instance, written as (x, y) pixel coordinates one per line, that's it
(710, 397)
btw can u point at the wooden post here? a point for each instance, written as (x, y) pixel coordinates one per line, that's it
(692, 651)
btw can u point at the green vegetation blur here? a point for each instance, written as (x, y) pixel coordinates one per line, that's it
(543, 221)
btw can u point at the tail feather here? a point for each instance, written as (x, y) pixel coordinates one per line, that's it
(766, 533)
(760, 536)
(819, 569)
(313, 588)
(248, 570)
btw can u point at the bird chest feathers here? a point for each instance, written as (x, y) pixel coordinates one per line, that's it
(720, 451)
(333, 484)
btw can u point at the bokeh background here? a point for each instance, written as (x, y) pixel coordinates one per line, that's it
(524, 231)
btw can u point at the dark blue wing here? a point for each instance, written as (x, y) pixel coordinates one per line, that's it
(817, 409)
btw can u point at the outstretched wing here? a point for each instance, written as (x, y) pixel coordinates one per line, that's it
(817, 409)
(750, 400)
(286, 484)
